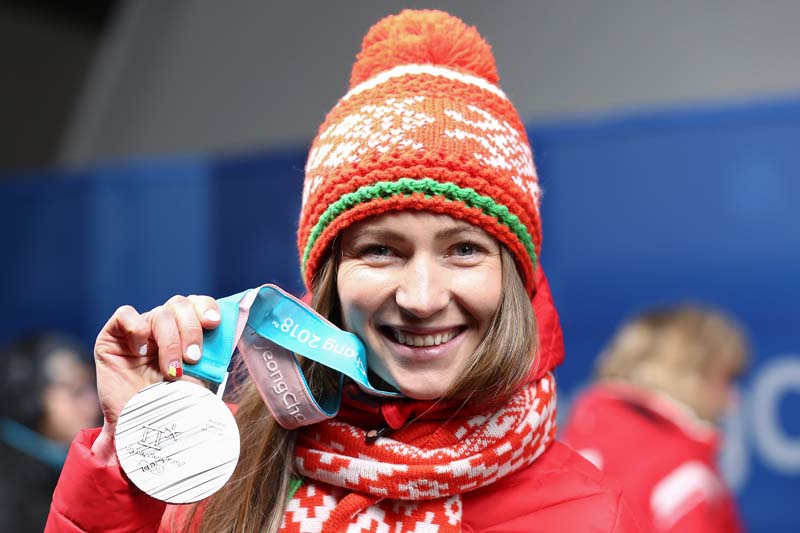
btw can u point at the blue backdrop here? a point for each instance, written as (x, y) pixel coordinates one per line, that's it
(650, 208)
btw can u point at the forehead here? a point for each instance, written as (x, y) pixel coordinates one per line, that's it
(65, 365)
(410, 224)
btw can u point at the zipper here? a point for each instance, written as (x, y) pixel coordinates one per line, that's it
(374, 434)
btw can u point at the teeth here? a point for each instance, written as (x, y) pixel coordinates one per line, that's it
(419, 340)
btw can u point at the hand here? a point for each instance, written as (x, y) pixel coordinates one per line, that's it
(135, 350)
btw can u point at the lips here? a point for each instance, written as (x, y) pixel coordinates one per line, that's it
(422, 339)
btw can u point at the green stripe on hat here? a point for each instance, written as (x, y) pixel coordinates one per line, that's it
(429, 187)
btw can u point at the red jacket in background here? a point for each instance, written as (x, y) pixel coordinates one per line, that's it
(664, 457)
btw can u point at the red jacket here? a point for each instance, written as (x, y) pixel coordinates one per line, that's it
(663, 456)
(560, 491)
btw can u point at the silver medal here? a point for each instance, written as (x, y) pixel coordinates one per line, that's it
(177, 441)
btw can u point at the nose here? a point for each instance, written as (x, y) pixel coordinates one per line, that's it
(423, 290)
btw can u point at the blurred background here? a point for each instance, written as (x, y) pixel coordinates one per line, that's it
(153, 148)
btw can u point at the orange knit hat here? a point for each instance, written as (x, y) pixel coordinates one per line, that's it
(424, 127)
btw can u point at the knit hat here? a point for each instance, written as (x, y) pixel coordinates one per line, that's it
(423, 127)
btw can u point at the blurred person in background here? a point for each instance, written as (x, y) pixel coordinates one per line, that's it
(47, 395)
(651, 419)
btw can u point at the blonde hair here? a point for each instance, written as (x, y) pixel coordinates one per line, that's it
(673, 350)
(253, 499)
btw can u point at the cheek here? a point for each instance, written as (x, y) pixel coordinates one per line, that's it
(361, 292)
(723, 393)
(58, 405)
(480, 292)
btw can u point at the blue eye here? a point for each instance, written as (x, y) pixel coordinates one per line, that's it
(377, 250)
(465, 249)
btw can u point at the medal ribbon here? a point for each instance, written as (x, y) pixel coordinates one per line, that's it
(269, 326)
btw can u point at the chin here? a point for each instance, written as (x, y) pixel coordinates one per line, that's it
(417, 389)
(427, 395)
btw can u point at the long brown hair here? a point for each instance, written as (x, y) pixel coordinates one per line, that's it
(254, 498)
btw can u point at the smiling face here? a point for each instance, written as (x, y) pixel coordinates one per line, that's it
(420, 290)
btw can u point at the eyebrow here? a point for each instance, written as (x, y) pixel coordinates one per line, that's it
(459, 229)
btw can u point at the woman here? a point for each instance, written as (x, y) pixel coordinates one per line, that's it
(419, 232)
(664, 383)
(47, 395)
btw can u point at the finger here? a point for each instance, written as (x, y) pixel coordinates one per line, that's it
(151, 349)
(207, 310)
(168, 340)
(189, 328)
(128, 324)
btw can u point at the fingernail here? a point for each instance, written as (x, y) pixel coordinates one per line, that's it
(211, 315)
(143, 350)
(193, 352)
(175, 369)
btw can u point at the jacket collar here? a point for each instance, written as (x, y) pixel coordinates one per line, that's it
(667, 408)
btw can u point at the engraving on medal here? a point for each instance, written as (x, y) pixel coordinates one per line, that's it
(177, 441)
(215, 427)
(158, 432)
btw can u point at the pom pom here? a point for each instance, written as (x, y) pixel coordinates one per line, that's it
(423, 37)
